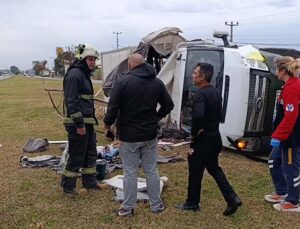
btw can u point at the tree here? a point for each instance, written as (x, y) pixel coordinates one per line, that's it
(70, 53)
(64, 58)
(14, 70)
(39, 66)
(97, 74)
(59, 67)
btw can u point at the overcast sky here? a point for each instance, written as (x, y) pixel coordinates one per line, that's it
(31, 29)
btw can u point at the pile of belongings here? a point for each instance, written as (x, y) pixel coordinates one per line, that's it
(172, 133)
(39, 161)
(39, 145)
(169, 159)
(117, 183)
(36, 145)
(107, 152)
(111, 155)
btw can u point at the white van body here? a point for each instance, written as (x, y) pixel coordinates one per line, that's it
(242, 77)
(247, 87)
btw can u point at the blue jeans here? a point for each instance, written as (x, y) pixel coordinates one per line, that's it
(284, 165)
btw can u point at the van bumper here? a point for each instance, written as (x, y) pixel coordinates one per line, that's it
(252, 145)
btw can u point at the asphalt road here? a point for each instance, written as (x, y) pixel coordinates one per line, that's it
(48, 78)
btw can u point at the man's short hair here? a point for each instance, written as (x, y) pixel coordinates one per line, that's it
(207, 70)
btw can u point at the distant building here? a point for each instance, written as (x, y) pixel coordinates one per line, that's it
(29, 72)
(46, 73)
(5, 72)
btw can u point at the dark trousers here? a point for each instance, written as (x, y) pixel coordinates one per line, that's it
(284, 165)
(291, 169)
(82, 155)
(276, 171)
(206, 153)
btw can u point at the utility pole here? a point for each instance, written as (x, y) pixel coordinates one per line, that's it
(231, 24)
(117, 35)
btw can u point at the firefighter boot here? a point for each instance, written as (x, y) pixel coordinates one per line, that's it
(89, 182)
(68, 184)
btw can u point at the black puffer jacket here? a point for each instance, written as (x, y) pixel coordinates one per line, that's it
(78, 92)
(134, 100)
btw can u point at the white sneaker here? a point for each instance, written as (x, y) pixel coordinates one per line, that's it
(275, 198)
(287, 207)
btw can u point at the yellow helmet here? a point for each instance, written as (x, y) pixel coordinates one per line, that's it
(86, 50)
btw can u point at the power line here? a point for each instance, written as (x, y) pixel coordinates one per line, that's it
(264, 35)
(271, 15)
(249, 19)
(269, 39)
(117, 36)
(273, 44)
(231, 29)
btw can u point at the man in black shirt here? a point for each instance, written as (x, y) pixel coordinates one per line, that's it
(206, 144)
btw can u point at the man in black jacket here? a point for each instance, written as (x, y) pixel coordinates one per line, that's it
(207, 143)
(79, 121)
(133, 101)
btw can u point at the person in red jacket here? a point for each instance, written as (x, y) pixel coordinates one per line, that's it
(286, 136)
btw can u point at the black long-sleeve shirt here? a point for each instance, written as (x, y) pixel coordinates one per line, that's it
(206, 113)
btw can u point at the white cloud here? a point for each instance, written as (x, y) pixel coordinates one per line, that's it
(31, 29)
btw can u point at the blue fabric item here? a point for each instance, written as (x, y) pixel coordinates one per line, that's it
(275, 143)
(111, 153)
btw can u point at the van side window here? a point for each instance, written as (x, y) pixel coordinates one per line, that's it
(213, 57)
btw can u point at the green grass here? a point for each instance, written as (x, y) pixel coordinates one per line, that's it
(32, 198)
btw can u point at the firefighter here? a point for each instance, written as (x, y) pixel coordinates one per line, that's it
(79, 122)
(206, 144)
(286, 137)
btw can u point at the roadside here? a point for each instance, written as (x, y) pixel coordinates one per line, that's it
(31, 197)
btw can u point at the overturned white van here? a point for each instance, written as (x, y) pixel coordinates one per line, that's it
(245, 77)
(247, 86)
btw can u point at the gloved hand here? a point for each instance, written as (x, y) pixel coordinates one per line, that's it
(275, 143)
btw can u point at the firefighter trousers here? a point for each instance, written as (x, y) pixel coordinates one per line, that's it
(82, 156)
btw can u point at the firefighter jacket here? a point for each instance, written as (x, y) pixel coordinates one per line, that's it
(78, 95)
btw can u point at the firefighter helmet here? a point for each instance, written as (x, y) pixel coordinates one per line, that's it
(86, 50)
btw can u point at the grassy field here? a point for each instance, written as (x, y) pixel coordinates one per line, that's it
(32, 198)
